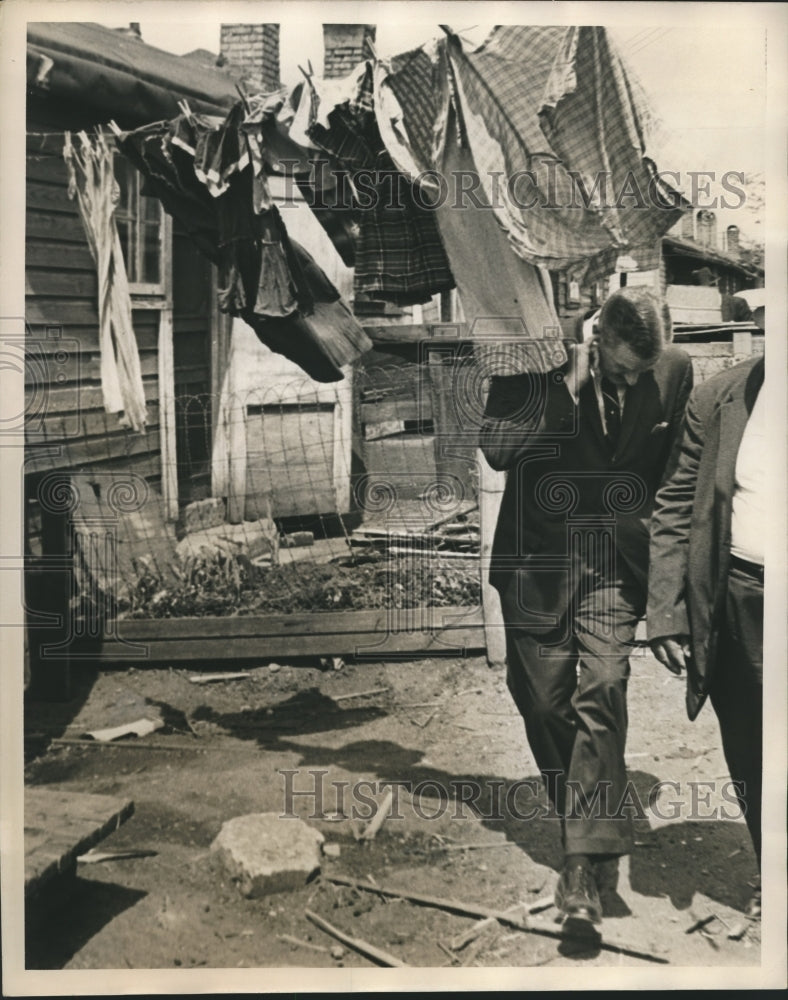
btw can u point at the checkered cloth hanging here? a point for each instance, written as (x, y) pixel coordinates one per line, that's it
(561, 137)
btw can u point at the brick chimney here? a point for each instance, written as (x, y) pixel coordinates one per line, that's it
(732, 238)
(345, 46)
(252, 50)
(133, 30)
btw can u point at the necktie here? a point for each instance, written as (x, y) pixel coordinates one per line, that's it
(612, 413)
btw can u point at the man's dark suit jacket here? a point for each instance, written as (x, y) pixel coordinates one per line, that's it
(691, 528)
(560, 470)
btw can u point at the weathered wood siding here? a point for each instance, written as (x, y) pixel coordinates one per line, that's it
(68, 426)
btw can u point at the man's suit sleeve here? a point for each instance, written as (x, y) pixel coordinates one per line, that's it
(666, 613)
(521, 410)
(678, 417)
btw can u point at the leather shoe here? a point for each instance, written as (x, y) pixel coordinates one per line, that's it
(576, 896)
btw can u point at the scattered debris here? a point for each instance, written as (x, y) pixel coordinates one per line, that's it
(737, 932)
(264, 854)
(427, 721)
(337, 952)
(379, 818)
(274, 668)
(142, 727)
(463, 940)
(533, 927)
(699, 924)
(190, 727)
(212, 678)
(445, 950)
(362, 947)
(249, 539)
(332, 850)
(297, 539)
(473, 952)
(483, 847)
(359, 694)
(707, 937)
(200, 514)
(301, 944)
(93, 857)
(189, 747)
(734, 853)
(541, 904)
(331, 663)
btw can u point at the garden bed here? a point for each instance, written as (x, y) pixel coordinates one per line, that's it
(229, 587)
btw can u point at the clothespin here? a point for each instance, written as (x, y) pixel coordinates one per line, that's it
(113, 127)
(309, 64)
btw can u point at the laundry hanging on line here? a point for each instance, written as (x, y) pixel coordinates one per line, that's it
(92, 183)
(545, 122)
(399, 255)
(210, 174)
(563, 143)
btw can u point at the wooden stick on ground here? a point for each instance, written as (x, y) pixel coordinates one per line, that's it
(358, 694)
(214, 678)
(483, 847)
(362, 947)
(137, 744)
(531, 926)
(445, 950)
(462, 940)
(301, 944)
(428, 720)
(379, 818)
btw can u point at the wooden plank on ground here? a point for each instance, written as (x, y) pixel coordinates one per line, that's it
(60, 825)
(455, 630)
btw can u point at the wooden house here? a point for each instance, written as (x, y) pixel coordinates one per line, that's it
(134, 484)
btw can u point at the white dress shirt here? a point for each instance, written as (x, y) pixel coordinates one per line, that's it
(748, 511)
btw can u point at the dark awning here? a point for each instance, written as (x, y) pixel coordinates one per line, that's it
(119, 75)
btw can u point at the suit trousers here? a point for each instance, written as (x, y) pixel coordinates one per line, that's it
(570, 685)
(736, 693)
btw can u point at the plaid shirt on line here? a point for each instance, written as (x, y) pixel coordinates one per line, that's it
(399, 253)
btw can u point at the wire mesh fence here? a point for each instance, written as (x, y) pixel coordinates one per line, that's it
(292, 497)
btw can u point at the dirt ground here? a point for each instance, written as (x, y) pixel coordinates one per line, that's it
(221, 754)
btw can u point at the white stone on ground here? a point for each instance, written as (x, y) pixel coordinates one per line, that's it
(264, 853)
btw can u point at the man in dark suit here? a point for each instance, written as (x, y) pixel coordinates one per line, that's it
(585, 447)
(705, 602)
